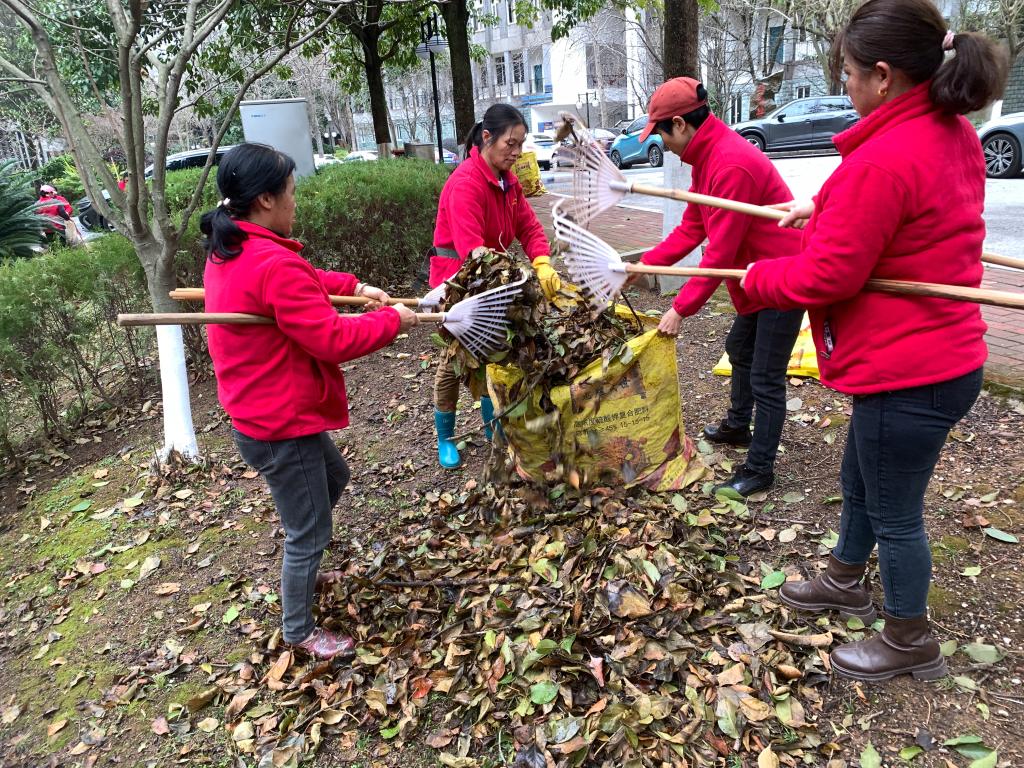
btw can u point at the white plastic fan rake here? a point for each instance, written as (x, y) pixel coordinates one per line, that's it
(432, 300)
(601, 273)
(478, 322)
(598, 185)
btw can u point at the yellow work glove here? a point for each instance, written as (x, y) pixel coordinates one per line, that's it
(550, 282)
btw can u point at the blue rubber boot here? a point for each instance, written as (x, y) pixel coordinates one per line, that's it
(487, 414)
(447, 451)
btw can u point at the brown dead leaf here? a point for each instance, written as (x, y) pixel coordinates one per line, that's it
(55, 727)
(238, 704)
(974, 520)
(159, 726)
(167, 588)
(625, 601)
(441, 739)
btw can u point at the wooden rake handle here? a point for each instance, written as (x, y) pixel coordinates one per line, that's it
(934, 290)
(199, 294)
(765, 212)
(223, 318)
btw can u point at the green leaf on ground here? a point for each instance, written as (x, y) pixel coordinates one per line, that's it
(983, 653)
(909, 753)
(999, 535)
(773, 580)
(543, 692)
(870, 758)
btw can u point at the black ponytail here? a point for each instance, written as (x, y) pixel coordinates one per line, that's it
(498, 120)
(245, 173)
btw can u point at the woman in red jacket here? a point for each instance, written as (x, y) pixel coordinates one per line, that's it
(906, 203)
(281, 384)
(482, 207)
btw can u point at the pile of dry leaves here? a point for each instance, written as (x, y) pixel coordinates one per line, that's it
(599, 629)
(550, 343)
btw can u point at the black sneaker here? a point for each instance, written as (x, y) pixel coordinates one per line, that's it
(728, 434)
(745, 481)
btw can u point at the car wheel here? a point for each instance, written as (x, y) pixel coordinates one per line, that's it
(616, 158)
(545, 166)
(1002, 156)
(655, 156)
(755, 139)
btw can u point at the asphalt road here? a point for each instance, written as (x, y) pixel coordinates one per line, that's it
(1004, 198)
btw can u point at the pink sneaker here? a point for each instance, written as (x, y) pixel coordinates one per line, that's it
(324, 644)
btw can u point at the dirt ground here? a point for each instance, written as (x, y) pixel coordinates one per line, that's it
(125, 599)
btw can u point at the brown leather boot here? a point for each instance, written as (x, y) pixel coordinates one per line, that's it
(840, 588)
(903, 647)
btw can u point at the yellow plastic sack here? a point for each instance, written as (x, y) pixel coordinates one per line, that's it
(528, 173)
(803, 361)
(635, 435)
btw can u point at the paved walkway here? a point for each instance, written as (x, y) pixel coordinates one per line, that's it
(628, 229)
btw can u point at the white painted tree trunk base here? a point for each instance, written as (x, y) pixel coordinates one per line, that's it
(179, 433)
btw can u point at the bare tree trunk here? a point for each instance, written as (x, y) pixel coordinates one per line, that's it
(378, 100)
(456, 19)
(680, 36)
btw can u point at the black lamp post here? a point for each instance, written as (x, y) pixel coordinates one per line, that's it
(430, 32)
(580, 97)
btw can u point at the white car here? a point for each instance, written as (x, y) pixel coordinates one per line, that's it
(542, 145)
(360, 155)
(319, 161)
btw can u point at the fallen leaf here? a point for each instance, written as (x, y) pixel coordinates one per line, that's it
(55, 727)
(149, 565)
(208, 725)
(167, 588)
(159, 726)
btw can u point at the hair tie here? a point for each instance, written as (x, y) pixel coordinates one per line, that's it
(224, 203)
(947, 41)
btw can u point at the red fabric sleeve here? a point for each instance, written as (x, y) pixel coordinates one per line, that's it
(294, 293)
(466, 218)
(851, 229)
(529, 230)
(338, 283)
(688, 235)
(726, 233)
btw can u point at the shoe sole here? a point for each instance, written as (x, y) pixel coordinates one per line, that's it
(866, 615)
(931, 670)
(718, 441)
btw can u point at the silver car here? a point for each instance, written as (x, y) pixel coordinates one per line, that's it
(801, 124)
(1002, 139)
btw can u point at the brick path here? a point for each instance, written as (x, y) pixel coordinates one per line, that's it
(627, 229)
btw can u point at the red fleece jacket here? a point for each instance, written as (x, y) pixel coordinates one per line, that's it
(906, 204)
(726, 165)
(474, 210)
(283, 381)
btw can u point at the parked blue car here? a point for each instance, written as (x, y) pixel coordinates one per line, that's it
(628, 149)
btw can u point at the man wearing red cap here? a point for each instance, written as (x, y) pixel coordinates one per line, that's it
(761, 340)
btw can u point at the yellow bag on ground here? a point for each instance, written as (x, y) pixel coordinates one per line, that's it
(618, 426)
(803, 361)
(528, 173)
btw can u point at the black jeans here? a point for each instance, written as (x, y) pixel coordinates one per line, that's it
(759, 347)
(892, 447)
(306, 476)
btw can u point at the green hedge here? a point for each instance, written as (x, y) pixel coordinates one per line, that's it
(61, 356)
(375, 219)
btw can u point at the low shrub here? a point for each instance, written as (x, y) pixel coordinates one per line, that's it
(374, 219)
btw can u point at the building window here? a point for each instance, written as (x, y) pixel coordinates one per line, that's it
(511, 5)
(736, 108)
(538, 78)
(775, 44)
(499, 70)
(518, 68)
(803, 91)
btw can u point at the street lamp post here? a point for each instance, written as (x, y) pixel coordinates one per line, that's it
(430, 32)
(580, 97)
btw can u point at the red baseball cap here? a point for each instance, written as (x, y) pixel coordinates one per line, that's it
(674, 98)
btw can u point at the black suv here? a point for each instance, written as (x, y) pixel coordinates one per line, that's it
(801, 124)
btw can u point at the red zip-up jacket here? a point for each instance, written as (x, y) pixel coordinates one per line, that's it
(474, 210)
(53, 211)
(282, 381)
(726, 165)
(905, 204)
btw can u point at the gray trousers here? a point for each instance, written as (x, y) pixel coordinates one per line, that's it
(306, 476)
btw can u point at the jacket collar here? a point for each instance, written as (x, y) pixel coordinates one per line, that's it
(703, 140)
(485, 171)
(908, 106)
(255, 230)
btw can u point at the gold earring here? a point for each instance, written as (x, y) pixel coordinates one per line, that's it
(882, 92)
